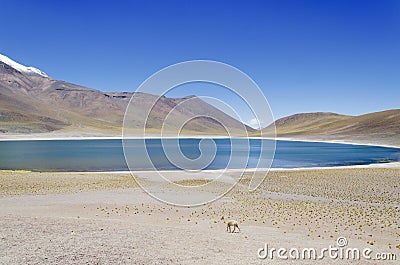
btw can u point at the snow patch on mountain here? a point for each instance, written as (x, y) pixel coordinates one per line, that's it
(20, 67)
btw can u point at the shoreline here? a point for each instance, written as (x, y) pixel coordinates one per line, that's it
(393, 165)
(336, 142)
(80, 138)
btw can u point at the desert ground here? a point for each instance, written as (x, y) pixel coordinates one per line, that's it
(106, 218)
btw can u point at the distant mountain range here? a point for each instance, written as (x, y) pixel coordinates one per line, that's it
(32, 102)
(374, 128)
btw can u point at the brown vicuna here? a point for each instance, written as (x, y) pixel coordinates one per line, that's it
(232, 223)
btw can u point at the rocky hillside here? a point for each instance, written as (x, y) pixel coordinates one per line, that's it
(32, 102)
(378, 128)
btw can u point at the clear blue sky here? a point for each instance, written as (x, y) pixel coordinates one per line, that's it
(338, 56)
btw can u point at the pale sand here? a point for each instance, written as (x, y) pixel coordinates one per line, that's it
(348, 141)
(78, 136)
(92, 136)
(101, 218)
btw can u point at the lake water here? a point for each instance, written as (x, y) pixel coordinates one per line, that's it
(107, 155)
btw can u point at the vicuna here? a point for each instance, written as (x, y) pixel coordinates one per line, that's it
(232, 223)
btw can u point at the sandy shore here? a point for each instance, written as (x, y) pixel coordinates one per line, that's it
(80, 136)
(101, 218)
(349, 141)
(49, 136)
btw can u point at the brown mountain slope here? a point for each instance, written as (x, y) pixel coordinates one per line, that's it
(377, 128)
(304, 122)
(31, 103)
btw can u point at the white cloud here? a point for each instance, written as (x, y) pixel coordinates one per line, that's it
(256, 123)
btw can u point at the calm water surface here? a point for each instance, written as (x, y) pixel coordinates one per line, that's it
(107, 155)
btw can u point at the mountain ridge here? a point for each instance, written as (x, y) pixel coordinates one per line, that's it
(31, 102)
(22, 68)
(382, 127)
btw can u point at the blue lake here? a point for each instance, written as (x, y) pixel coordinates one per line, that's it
(108, 155)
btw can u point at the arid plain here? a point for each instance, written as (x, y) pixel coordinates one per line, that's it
(98, 218)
